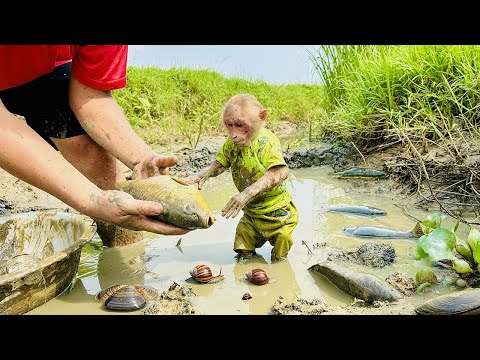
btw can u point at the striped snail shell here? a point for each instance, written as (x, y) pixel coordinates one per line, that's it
(201, 273)
(257, 276)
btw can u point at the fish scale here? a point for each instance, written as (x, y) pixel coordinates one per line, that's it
(183, 205)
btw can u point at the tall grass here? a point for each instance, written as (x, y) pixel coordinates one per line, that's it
(375, 92)
(181, 104)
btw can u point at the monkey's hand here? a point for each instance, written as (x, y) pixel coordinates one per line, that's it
(236, 204)
(195, 179)
(153, 165)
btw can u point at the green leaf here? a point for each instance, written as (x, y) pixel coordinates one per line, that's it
(438, 244)
(433, 221)
(455, 227)
(464, 249)
(474, 243)
(420, 253)
(461, 266)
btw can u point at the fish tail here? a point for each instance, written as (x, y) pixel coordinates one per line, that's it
(417, 231)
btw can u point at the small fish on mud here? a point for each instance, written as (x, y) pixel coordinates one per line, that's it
(357, 210)
(361, 285)
(380, 232)
(360, 173)
(183, 205)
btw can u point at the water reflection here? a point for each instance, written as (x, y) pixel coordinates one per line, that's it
(158, 261)
(122, 265)
(283, 283)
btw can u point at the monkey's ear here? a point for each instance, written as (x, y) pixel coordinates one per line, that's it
(263, 114)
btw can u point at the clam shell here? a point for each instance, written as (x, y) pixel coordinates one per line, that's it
(126, 298)
(106, 293)
(461, 302)
(148, 292)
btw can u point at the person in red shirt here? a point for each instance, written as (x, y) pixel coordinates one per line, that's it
(75, 134)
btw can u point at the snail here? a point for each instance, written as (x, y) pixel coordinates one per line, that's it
(203, 274)
(246, 296)
(258, 277)
(173, 286)
(127, 297)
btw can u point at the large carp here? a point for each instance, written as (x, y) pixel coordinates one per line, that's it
(183, 205)
(373, 231)
(361, 285)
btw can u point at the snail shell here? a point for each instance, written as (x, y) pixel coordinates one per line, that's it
(127, 297)
(246, 296)
(203, 273)
(257, 276)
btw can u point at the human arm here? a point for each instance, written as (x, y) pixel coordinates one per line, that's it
(214, 169)
(24, 154)
(271, 178)
(105, 122)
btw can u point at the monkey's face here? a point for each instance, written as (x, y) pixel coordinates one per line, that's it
(240, 131)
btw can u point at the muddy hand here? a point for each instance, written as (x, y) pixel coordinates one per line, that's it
(153, 165)
(234, 206)
(194, 179)
(122, 209)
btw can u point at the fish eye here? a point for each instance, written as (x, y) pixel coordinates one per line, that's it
(189, 208)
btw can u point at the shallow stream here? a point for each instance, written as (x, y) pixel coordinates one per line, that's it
(158, 261)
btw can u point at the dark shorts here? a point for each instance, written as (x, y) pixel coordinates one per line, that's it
(44, 104)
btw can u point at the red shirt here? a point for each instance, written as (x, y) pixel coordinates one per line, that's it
(101, 67)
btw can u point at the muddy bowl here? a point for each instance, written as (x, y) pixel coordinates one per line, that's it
(39, 256)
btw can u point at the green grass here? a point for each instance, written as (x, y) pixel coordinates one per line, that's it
(181, 104)
(370, 94)
(377, 93)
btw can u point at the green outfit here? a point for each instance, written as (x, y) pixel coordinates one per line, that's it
(270, 216)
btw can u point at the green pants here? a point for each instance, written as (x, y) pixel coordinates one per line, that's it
(275, 227)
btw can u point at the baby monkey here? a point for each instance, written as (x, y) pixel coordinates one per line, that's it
(254, 155)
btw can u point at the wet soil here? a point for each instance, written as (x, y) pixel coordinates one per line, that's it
(411, 175)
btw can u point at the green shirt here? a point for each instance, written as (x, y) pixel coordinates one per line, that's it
(250, 164)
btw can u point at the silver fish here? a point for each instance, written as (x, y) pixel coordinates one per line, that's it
(372, 231)
(358, 210)
(360, 173)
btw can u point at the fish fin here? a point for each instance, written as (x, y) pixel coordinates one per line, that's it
(417, 230)
(179, 181)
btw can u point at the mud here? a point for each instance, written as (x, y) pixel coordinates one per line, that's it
(370, 254)
(397, 160)
(176, 301)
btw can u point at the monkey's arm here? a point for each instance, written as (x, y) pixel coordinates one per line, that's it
(271, 178)
(214, 169)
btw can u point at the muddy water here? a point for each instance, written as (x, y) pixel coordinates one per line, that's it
(158, 261)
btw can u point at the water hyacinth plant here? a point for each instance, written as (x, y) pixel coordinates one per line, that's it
(440, 244)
